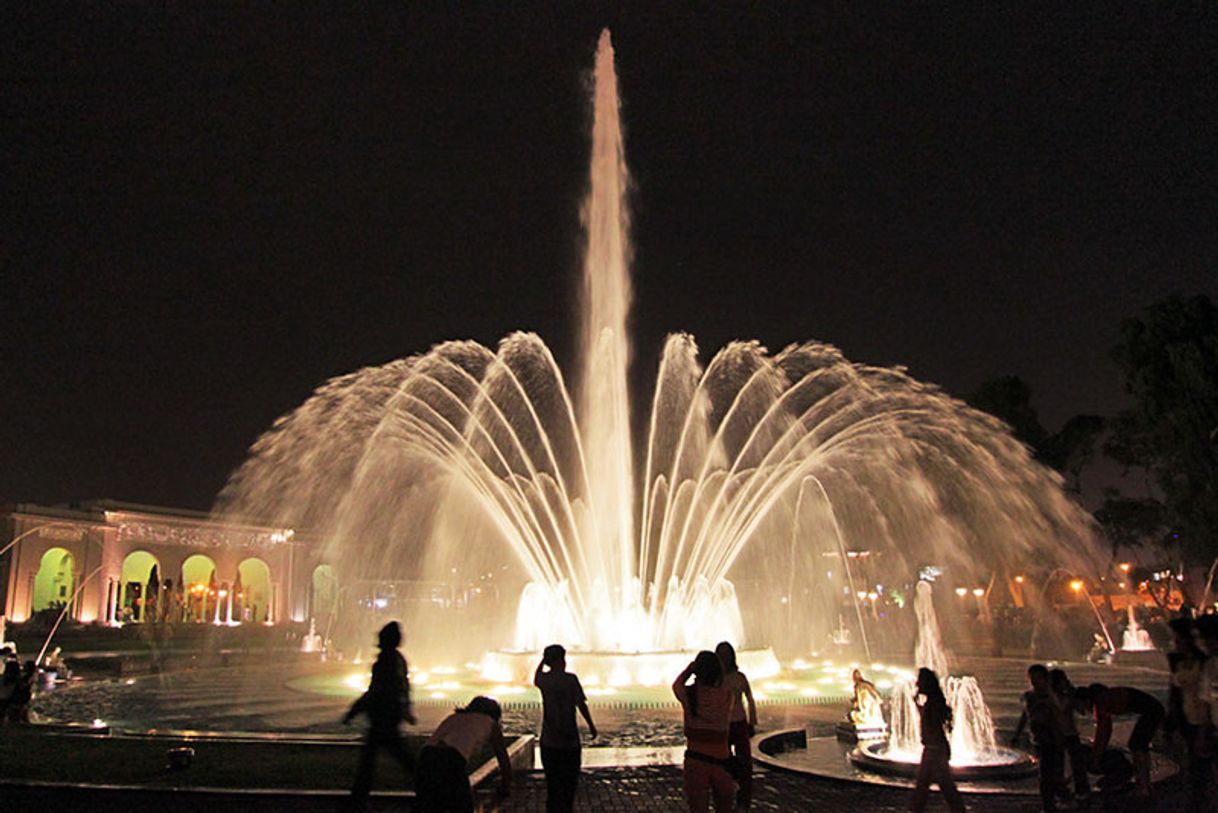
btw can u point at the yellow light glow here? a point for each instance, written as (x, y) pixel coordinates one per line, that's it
(356, 681)
(962, 591)
(1125, 566)
(1076, 585)
(1019, 579)
(978, 592)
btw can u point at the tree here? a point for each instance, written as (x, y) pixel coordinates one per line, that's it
(1073, 447)
(1169, 360)
(1010, 398)
(1068, 451)
(1131, 522)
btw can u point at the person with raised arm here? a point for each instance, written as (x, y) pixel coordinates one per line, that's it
(707, 705)
(561, 696)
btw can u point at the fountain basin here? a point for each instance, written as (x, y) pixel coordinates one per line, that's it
(618, 669)
(1000, 763)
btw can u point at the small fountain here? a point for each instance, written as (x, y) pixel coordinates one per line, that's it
(975, 751)
(312, 641)
(1135, 638)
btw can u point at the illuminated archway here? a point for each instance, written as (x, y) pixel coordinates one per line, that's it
(138, 573)
(255, 578)
(198, 581)
(55, 580)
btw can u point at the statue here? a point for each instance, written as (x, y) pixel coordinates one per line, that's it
(865, 720)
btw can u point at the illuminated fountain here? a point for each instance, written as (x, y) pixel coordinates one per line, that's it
(754, 469)
(975, 751)
(1135, 638)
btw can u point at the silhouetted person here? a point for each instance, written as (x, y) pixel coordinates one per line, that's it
(8, 685)
(1119, 701)
(707, 706)
(561, 696)
(936, 719)
(441, 782)
(23, 694)
(1041, 715)
(386, 704)
(1188, 709)
(1073, 750)
(743, 724)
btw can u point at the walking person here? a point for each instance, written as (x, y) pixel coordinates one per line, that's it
(707, 705)
(1118, 701)
(561, 696)
(442, 780)
(1041, 715)
(743, 724)
(1188, 712)
(936, 719)
(386, 704)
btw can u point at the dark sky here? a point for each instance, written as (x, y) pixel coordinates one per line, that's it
(211, 208)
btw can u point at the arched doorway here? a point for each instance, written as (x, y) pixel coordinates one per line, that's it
(200, 590)
(254, 580)
(54, 581)
(323, 596)
(140, 586)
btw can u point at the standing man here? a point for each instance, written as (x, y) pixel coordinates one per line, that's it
(561, 695)
(1041, 713)
(386, 703)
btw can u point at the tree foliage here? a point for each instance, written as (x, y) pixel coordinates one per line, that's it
(1169, 360)
(1068, 450)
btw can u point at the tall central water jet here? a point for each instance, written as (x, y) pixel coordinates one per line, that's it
(604, 405)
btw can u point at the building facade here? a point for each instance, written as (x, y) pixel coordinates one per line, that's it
(115, 563)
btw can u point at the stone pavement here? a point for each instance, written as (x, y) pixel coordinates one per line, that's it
(657, 789)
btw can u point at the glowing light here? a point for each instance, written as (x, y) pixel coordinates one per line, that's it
(356, 681)
(601, 691)
(962, 591)
(1076, 585)
(99, 722)
(1019, 579)
(978, 592)
(437, 695)
(1125, 566)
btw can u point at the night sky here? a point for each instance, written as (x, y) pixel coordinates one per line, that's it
(211, 208)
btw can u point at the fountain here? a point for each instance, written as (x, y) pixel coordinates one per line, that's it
(480, 465)
(1135, 638)
(975, 751)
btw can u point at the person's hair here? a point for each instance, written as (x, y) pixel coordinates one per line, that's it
(726, 653)
(928, 685)
(12, 671)
(707, 672)
(483, 705)
(553, 653)
(390, 636)
(1038, 670)
(1060, 681)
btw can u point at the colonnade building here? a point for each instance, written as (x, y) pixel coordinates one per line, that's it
(117, 563)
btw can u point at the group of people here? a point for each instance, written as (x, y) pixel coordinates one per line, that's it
(720, 717)
(16, 688)
(1049, 709)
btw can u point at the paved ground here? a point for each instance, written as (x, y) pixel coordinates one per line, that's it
(647, 789)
